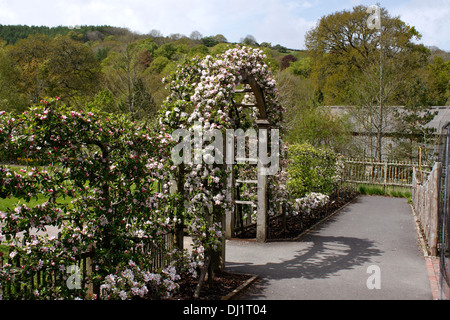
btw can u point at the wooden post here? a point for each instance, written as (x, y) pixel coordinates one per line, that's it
(435, 180)
(89, 268)
(229, 165)
(230, 215)
(179, 229)
(261, 220)
(414, 189)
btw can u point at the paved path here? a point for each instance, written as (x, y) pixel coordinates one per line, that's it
(332, 262)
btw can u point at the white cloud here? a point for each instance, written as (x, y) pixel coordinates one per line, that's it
(282, 24)
(430, 18)
(6, 13)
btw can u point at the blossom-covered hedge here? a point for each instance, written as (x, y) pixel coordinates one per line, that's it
(109, 167)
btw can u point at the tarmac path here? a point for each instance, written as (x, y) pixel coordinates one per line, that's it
(367, 251)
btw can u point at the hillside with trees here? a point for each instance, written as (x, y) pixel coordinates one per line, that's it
(101, 67)
(105, 68)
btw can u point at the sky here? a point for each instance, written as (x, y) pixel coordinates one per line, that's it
(282, 22)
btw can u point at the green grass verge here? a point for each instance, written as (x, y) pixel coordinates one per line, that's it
(397, 192)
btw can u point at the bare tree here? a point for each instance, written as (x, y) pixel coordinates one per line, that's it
(155, 33)
(125, 80)
(249, 40)
(196, 35)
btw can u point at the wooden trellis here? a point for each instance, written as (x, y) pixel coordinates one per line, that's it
(233, 184)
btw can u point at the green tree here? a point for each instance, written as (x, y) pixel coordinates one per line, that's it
(306, 122)
(166, 50)
(140, 104)
(342, 46)
(29, 56)
(209, 41)
(55, 67)
(200, 50)
(11, 99)
(249, 40)
(354, 64)
(220, 38)
(412, 133)
(159, 64)
(102, 102)
(74, 70)
(439, 78)
(301, 67)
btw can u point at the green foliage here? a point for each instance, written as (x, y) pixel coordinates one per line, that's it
(56, 66)
(148, 44)
(102, 102)
(307, 122)
(159, 64)
(319, 127)
(4, 250)
(210, 41)
(440, 81)
(140, 104)
(301, 67)
(13, 33)
(11, 97)
(341, 48)
(166, 50)
(200, 50)
(336, 69)
(414, 117)
(311, 169)
(102, 53)
(280, 48)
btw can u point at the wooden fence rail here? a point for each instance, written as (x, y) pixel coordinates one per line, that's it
(380, 173)
(27, 281)
(425, 199)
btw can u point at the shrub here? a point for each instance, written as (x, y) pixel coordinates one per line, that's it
(286, 61)
(301, 67)
(311, 169)
(311, 202)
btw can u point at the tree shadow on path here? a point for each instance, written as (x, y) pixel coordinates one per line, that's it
(323, 257)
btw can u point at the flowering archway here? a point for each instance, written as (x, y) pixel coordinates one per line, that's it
(231, 91)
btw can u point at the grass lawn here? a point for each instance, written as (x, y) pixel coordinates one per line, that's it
(14, 202)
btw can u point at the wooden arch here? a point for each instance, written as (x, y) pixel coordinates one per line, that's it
(233, 184)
